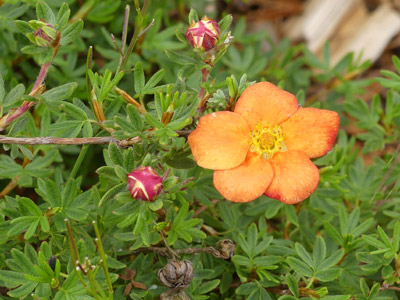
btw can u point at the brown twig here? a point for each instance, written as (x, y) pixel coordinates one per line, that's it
(70, 141)
(103, 140)
(9, 187)
(13, 182)
(74, 249)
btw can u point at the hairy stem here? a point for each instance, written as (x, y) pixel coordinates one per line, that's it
(103, 260)
(69, 141)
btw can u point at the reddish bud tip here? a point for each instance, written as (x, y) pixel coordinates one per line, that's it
(144, 184)
(204, 34)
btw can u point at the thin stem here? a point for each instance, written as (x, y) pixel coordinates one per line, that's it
(78, 161)
(133, 41)
(83, 11)
(203, 100)
(104, 259)
(37, 89)
(310, 283)
(42, 75)
(147, 28)
(92, 285)
(125, 28)
(74, 248)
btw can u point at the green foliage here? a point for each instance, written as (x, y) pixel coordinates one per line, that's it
(70, 229)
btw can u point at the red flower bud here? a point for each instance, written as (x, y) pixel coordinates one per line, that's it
(144, 184)
(204, 34)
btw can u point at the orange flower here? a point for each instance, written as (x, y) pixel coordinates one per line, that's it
(264, 146)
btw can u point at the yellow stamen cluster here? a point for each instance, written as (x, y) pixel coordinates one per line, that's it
(267, 140)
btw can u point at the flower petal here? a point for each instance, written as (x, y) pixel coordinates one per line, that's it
(311, 130)
(220, 141)
(265, 102)
(246, 182)
(295, 177)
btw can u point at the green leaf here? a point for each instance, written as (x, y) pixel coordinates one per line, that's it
(153, 121)
(334, 234)
(2, 89)
(23, 261)
(328, 274)
(26, 152)
(53, 194)
(138, 75)
(363, 227)
(30, 206)
(193, 17)
(242, 242)
(333, 259)
(396, 237)
(291, 214)
(43, 11)
(292, 284)
(159, 75)
(300, 267)
(115, 154)
(207, 286)
(134, 117)
(60, 93)
(112, 192)
(262, 246)
(266, 261)
(374, 242)
(44, 224)
(225, 23)
(33, 49)
(14, 95)
(121, 173)
(241, 260)
(384, 237)
(319, 251)
(69, 192)
(23, 290)
(304, 255)
(252, 236)
(74, 111)
(31, 229)
(181, 163)
(71, 32)
(23, 26)
(62, 17)
(8, 167)
(180, 58)
(13, 279)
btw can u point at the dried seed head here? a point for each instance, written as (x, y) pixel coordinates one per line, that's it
(176, 274)
(52, 262)
(226, 248)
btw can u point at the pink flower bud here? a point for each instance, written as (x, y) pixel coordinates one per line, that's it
(44, 35)
(204, 34)
(144, 184)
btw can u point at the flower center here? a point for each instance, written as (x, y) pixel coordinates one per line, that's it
(267, 140)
